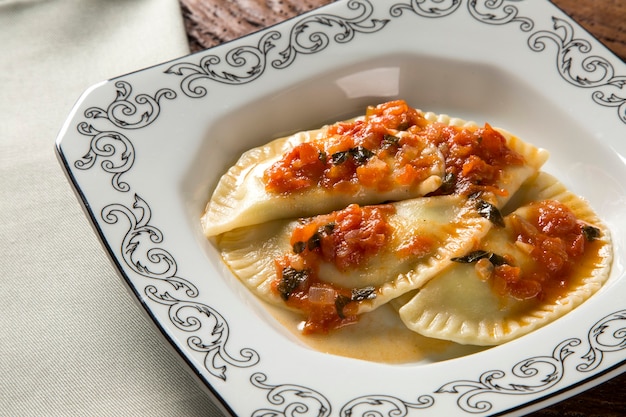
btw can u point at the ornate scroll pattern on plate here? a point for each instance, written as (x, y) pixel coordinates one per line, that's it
(426, 8)
(304, 38)
(131, 113)
(574, 62)
(494, 12)
(290, 400)
(606, 336)
(312, 34)
(210, 332)
(114, 149)
(530, 376)
(499, 12)
(384, 405)
(540, 373)
(579, 67)
(142, 252)
(141, 248)
(309, 35)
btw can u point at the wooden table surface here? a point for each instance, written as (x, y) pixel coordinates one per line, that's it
(211, 22)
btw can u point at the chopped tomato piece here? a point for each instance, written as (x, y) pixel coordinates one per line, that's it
(353, 153)
(345, 238)
(299, 169)
(475, 158)
(555, 240)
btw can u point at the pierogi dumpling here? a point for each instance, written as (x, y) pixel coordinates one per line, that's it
(367, 160)
(338, 221)
(393, 153)
(476, 160)
(355, 259)
(553, 254)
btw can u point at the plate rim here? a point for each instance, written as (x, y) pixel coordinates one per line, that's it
(137, 296)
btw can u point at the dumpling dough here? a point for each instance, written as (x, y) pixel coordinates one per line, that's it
(452, 223)
(241, 199)
(512, 176)
(458, 306)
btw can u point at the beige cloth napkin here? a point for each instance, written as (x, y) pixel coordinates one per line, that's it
(72, 339)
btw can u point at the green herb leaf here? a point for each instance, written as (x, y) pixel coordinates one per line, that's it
(339, 157)
(291, 279)
(340, 302)
(477, 255)
(328, 228)
(390, 141)
(497, 260)
(471, 257)
(490, 212)
(361, 155)
(299, 247)
(591, 233)
(314, 241)
(357, 294)
(404, 126)
(366, 293)
(447, 186)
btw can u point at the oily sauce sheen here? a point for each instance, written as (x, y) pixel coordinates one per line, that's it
(345, 238)
(381, 151)
(389, 153)
(556, 241)
(379, 336)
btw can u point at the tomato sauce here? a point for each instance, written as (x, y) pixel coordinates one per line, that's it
(475, 158)
(556, 240)
(387, 149)
(364, 152)
(346, 238)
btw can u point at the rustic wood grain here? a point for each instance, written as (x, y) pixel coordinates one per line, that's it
(212, 22)
(605, 19)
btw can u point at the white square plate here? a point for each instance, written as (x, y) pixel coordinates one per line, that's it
(144, 151)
